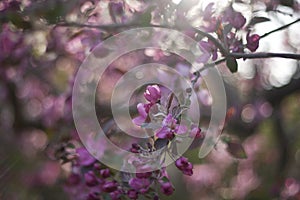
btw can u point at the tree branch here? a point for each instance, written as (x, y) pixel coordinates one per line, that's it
(111, 27)
(264, 55)
(218, 44)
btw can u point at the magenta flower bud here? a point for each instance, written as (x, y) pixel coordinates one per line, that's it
(143, 175)
(93, 196)
(167, 188)
(115, 195)
(73, 179)
(152, 93)
(84, 157)
(195, 132)
(139, 183)
(110, 186)
(181, 163)
(132, 194)
(188, 170)
(90, 179)
(97, 166)
(185, 166)
(156, 197)
(135, 148)
(105, 173)
(252, 41)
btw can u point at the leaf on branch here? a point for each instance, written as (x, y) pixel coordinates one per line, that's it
(256, 20)
(165, 179)
(234, 147)
(174, 148)
(18, 21)
(236, 150)
(232, 64)
(160, 143)
(150, 125)
(227, 28)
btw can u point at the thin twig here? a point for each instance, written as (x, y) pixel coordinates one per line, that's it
(108, 27)
(280, 28)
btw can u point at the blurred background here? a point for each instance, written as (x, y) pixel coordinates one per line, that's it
(42, 44)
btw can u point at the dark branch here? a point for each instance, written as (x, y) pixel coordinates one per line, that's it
(265, 55)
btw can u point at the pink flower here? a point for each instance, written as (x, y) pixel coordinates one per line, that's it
(132, 194)
(252, 41)
(208, 12)
(105, 173)
(210, 22)
(152, 93)
(185, 166)
(139, 184)
(85, 158)
(110, 186)
(142, 114)
(195, 132)
(236, 19)
(170, 128)
(90, 179)
(93, 196)
(209, 49)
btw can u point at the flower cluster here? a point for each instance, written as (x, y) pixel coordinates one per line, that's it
(93, 178)
(169, 126)
(94, 181)
(226, 26)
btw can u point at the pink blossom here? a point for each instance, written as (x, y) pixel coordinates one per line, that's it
(236, 19)
(195, 132)
(209, 49)
(132, 194)
(85, 158)
(142, 115)
(170, 128)
(90, 179)
(152, 93)
(139, 183)
(110, 186)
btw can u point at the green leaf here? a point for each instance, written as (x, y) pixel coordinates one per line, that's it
(232, 64)
(160, 143)
(18, 21)
(256, 20)
(165, 179)
(150, 125)
(236, 150)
